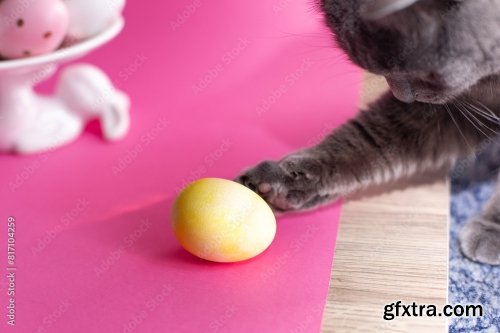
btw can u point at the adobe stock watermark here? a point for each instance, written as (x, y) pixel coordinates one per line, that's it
(321, 135)
(65, 220)
(27, 172)
(30, 169)
(464, 165)
(281, 5)
(149, 307)
(187, 12)
(287, 83)
(18, 11)
(221, 321)
(11, 271)
(127, 72)
(49, 320)
(295, 247)
(128, 241)
(235, 222)
(144, 141)
(227, 59)
(42, 73)
(305, 323)
(208, 162)
(124, 75)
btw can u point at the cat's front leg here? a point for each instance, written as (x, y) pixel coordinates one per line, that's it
(387, 142)
(315, 176)
(480, 238)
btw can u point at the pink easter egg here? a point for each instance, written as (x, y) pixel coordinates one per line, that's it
(29, 28)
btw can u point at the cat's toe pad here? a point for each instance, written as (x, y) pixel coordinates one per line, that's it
(265, 188)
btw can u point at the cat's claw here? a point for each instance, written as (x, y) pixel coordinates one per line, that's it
(292, 184)
(480, 241)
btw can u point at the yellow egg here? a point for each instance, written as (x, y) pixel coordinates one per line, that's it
(223, 221)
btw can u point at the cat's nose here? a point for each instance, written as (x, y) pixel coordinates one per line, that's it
(401, 89)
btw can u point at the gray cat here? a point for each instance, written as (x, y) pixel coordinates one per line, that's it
(442, 62)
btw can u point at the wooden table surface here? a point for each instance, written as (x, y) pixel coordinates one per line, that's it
(391, 246)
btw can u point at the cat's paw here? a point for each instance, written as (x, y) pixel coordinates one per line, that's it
(480, 241)
(292, 184)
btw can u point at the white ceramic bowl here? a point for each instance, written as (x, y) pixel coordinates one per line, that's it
(68, 53)
(32, 123)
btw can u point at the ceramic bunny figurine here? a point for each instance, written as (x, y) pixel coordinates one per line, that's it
(31, 123)
(88, 92)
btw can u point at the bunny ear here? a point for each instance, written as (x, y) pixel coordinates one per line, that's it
(377, 9)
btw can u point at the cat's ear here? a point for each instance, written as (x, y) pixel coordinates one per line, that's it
(377, 9)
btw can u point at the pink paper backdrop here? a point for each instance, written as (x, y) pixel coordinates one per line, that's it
(216, 86)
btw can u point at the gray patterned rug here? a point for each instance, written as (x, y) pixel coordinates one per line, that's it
(470, 282)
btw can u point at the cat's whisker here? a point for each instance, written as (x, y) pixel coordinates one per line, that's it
(471, 109)
(490, 112)
(490, 115)
(479, 121)
(447, 108)
(485, 116)
(464, 113)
